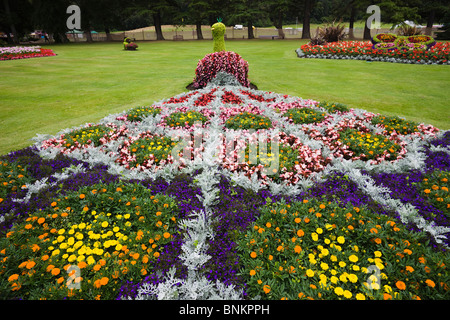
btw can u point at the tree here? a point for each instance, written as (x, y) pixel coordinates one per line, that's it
(157, 9)
(106, 14)
(199, 10)
(247, 11)
(277, 9)
(432, 11)
(8, 20)
(51, 16)
(307, 8)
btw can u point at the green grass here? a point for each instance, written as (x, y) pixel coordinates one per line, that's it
(86, 82)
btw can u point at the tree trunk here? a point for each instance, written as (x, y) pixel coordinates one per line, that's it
(367, 35)
(60, 37)
(157, 21)
(351, 34)
(199, 30)
(430, 21)
(250, 29)
(10, 21)
(88, 33)
(108, 34)
(279, 26)
(306, 32)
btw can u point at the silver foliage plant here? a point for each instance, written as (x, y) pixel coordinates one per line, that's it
(197, 231)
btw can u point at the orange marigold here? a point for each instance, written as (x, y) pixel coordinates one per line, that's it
(430, 283)
(400, 285)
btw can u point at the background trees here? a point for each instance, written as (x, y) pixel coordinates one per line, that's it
(20, 17)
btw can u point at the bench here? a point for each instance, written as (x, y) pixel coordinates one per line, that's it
(268, 37)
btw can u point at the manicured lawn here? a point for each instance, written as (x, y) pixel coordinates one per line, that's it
(86, 82)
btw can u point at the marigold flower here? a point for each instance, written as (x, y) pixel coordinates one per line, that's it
(266, 289)
(16, 286)
(56, 271)
(339, 291)
(30, 264)
(400, 285)
(409, 269)
(13, 277)
(430, 283)
(253, 254)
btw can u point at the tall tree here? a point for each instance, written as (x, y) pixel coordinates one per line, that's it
(106, 15)
(432, 11)
(158, 9)
(247, 11)
(308, 5)
(9, 21)
(51, 16)
(199, 10)
(277, 10)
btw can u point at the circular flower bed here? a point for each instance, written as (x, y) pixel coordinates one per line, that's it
(304, 115)
(246, 120)
(139, 113)
(92, 135)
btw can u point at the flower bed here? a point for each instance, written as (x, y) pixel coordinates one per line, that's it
(383, 51)
(276, 197)
(14, 53)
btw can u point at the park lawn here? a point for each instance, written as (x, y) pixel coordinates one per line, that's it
(86, 82)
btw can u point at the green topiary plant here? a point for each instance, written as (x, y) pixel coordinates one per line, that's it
(218, 32)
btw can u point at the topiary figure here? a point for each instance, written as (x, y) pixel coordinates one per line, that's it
(218, 32)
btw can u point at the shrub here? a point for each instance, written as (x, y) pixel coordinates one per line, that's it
(407, 30)
(332, 32)
(225, 61)
(317, 41)
(218, 31)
